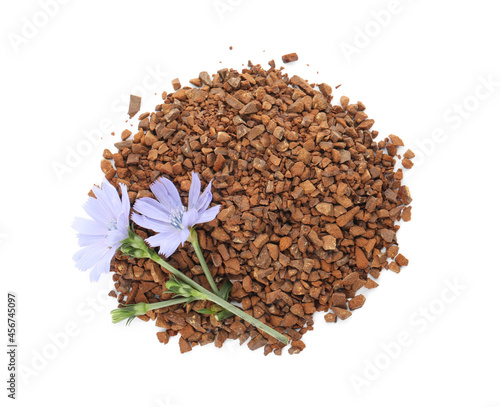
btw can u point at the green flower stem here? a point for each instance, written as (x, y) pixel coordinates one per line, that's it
(222, 315)
(129, 312)
(193, 239)
(219, 301)
(163, 304)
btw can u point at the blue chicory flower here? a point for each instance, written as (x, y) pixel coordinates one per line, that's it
(169, 218)
(101, 236)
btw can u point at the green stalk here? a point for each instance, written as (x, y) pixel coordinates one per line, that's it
(158, 305)
(129, 312)
(219, 301)
(193, 239)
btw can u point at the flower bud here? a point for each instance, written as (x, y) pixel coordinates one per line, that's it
(135, 246)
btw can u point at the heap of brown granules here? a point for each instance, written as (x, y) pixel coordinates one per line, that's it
(309, 203)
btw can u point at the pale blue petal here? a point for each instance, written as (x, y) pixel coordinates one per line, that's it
(88, 226)
(141, 220)
(115, 237)
(156, 240)
(102, 266)
(153, 209)
(172, 191)
(123, 223)
(152, 224)
(107, 196)
(166, 193)
(101, 236)
(190, 218)
(87, 240)
(125, 201)
(194, 191)
(88, 256)
(209, 214)
(205, 198)
(184, 235)
(103, 207)
(112, 197)
(95, 211)
(168, 242)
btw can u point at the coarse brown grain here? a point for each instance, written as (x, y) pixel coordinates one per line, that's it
(292, 57)
(176, 84)
(134, 105)
(407, 163)
(309, 203)
(401, 260)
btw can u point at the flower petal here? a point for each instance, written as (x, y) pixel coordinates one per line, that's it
(112, 196)
(190, 218)
(108, 198)
(88, 256)
(168, 242)
(95, 211)
(153, 224)
(115, 237)
(205, 198)
(184, 235)
(88, 226)
(87, 240)
(152, 209)
(166, 192)
(101, 236)
(102, 266)
(125, 201)
(208, 215)
(194, 191)
(123, 223)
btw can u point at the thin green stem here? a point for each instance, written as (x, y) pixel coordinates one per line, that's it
(163, 304)
(219, 301)
(193, 239)
(222, 315)
(243, 315)
(180, 275)
(129, 312)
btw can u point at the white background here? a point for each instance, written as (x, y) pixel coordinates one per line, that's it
(419, 67)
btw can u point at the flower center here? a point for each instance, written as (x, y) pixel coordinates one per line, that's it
(112, 225)
(176, 217)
